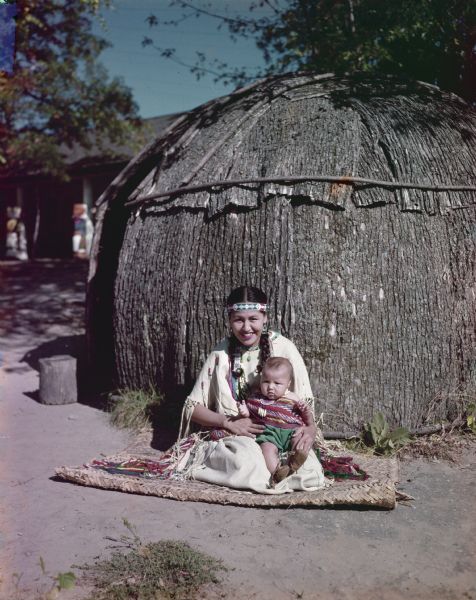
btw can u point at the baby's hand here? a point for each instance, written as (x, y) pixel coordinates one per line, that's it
(243, 410)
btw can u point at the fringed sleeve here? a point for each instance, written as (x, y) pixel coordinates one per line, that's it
(200, 394)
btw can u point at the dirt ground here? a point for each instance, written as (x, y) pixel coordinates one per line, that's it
(423, 550)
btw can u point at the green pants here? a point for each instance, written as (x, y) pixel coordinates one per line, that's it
(281, 438)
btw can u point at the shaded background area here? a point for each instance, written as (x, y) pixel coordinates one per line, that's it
(42, 307)
(41, 300)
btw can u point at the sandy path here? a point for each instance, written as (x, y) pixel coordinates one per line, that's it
(426, 550)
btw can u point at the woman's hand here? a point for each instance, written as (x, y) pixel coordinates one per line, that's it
(243, 426)
(303, 438)
(236, 425)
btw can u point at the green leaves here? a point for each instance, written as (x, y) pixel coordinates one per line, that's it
(63, 581)
(429, 40)
(58, 94)
(66, 581)
(376, 434)
(471, 417)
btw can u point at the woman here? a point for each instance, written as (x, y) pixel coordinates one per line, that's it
(229, 373)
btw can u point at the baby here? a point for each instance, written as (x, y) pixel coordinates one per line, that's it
(281, 412)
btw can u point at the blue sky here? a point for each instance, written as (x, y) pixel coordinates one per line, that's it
(160, 86)
(7, 36)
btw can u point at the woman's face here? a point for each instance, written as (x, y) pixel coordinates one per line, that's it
(247, 326)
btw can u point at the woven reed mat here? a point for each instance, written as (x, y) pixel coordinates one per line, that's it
(377, 491)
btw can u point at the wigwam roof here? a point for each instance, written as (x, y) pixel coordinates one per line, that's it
(305, 125)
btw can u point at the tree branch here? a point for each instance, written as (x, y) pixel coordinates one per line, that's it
(338, 179)
(230, 20)
(170, 54)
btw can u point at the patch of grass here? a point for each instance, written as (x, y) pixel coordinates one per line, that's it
(134, 409)
(163, 570)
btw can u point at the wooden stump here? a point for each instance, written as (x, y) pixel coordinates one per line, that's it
(58, 383)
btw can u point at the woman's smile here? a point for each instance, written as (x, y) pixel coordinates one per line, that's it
(248, 337)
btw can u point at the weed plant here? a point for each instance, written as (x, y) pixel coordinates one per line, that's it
(471, 417)
(377, 438)
(162, 570)
(377, 435)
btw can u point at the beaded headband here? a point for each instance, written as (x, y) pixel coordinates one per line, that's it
(246, 306)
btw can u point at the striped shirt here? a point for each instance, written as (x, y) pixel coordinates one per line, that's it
(282, 413)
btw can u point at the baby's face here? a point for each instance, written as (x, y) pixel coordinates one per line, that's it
(275, 382)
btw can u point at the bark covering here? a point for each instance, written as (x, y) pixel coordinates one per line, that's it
(376, 287)
(58, 383)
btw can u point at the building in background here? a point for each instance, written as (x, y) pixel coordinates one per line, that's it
(47, 204)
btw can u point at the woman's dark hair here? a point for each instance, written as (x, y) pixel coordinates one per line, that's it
(250, 294)
(246, 294)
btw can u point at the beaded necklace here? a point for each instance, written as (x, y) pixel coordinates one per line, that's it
(238, 384)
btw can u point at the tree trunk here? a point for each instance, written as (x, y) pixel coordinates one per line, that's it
(58, 383)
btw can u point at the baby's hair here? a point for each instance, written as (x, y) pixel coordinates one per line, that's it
(277, 362)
